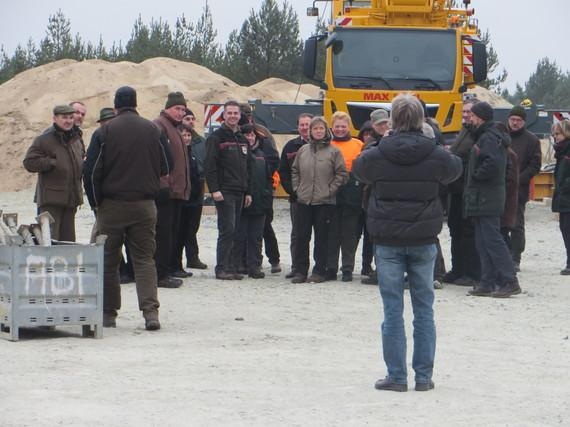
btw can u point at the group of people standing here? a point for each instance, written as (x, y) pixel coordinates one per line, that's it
(145, 179)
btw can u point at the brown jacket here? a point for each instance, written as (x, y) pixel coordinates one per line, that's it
(179, 178)
(57, 158)
(317, 174)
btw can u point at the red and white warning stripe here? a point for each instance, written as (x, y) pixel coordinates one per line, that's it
(343, 21)
(467, 57)
(558, 116)
(212, 114)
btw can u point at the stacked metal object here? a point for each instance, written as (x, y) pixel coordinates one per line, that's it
(28, 235)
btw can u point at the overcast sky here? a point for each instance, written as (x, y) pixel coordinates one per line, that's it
(522, 31)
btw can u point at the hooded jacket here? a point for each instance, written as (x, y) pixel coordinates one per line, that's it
(318, 172)
(404, 173)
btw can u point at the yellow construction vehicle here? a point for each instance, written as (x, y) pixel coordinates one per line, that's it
(376, 49)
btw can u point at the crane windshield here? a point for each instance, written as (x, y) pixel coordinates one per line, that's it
(394, 59)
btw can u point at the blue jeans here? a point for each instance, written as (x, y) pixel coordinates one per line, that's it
(391, 264)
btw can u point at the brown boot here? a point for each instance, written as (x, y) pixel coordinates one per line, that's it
(508, 289)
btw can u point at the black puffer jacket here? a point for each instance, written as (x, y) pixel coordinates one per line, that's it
(561, 197)
(405, 172)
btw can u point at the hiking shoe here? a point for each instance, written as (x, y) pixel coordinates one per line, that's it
(299, 278)
(290, 275)
(197, 264)
(239, 275)
(450, 277)
(169, 282)
(425, 386)
(508, 289)
(479, 291)
(465, 281)
(389, 385)
(370, 280)
(224, 275)
(346, 276)
(316, 278)
(181, 274)
(276, 268)
(256, 274)
(152, 324)
(565, 272)
(437, 284)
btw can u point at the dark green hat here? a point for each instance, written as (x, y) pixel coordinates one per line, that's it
(175, 98)
(63, 109)
(517, 110)
(105, 114)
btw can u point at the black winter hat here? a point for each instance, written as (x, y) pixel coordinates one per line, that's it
(189, 113)
(483, 110)
(517, 110)
(125, 97)
(175, 98)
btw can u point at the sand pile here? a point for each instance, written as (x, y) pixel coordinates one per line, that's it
(491, 97)
(28, 98)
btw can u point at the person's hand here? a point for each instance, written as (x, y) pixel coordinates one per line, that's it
(217, 196)
(247, 201)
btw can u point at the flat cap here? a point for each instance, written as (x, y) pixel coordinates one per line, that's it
(63, 109)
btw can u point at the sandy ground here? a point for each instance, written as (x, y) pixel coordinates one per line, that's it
(266, 352)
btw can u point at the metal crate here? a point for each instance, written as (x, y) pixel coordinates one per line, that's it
(51, 286)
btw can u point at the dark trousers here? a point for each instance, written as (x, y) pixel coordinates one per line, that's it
(63, 227)
(293, 245)
(439, 267)
(135, 221)
(464, 256)
(496, 263)
(309, 218)
(517, 234)
(248, 242)
(168, 218)
(367, 248)
(185, 238)
(229, 212)
(344, 235)
(565, 229)
(270, 240)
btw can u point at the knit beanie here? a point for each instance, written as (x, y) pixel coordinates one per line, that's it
(125, 97)
(483, 110)
(189, 113)
(517, 110)
(175, 98)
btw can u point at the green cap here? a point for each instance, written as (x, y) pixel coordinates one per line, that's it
(63, 109)
(106, 113)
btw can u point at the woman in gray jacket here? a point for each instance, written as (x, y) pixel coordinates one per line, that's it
(317, 173)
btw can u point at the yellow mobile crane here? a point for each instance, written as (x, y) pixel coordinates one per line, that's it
(376, 49)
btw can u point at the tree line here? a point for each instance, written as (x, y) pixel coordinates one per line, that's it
(268, 44)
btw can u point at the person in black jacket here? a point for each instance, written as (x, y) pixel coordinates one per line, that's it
(527, 147)
(484, 201)
(228, 174)
(404, 218)
(124, 164)
(246, 255)
(288, 155)
(561, 196)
